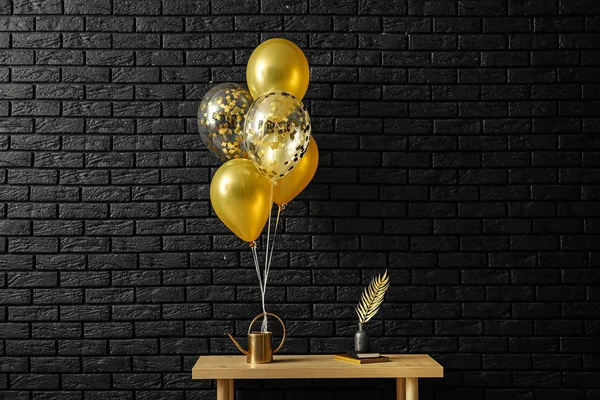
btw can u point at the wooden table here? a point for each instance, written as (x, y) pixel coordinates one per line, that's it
(405, 368)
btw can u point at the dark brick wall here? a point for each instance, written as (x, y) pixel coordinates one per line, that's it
(460, 149)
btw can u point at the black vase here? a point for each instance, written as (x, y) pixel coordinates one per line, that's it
(361, 339)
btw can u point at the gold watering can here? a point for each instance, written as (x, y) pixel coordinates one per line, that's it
(260, 344)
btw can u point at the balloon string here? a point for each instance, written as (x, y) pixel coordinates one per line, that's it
(269, 227)
(264, 324)
(279, 209)
(257, 266)
(260, 283)
(268, 262)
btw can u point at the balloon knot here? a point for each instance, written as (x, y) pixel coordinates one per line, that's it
(252, 244)
(282, 206)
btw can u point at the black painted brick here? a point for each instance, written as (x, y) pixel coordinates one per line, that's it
(458, 145)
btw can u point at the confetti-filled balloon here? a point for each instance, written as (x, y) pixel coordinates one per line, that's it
(277, 133)
(221, 117)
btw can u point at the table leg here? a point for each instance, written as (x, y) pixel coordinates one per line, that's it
(400, 389)
(225, 389)
(412, 389)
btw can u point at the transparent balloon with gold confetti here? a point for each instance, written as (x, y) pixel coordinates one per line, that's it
(221, 117)
(277, 133)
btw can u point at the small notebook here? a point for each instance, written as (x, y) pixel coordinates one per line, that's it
(375, 360)
(362, 355)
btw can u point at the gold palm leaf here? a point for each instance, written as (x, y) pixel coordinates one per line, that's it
(372, 297)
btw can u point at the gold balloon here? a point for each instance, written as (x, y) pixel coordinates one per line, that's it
(277, 133)
(241, 197)
(277, 64)
(221, 117)
(290, 186)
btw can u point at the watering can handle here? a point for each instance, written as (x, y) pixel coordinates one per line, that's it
(280, 321)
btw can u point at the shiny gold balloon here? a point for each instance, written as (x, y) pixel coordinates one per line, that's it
(277, 64)
(290, 186)
(277, 133)
(241, 197)
(221, 117)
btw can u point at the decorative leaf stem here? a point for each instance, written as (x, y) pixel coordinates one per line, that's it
(372, 297)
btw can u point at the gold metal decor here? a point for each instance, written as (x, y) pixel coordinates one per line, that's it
(260, 344)
(372, 297)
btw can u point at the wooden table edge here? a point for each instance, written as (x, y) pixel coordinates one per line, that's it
(311, 375)
(316, 372)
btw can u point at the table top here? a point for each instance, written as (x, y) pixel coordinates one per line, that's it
(315, 367)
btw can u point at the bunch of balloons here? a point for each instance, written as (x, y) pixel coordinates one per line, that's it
(263, 136)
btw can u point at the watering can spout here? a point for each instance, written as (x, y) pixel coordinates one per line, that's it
(240, 348)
